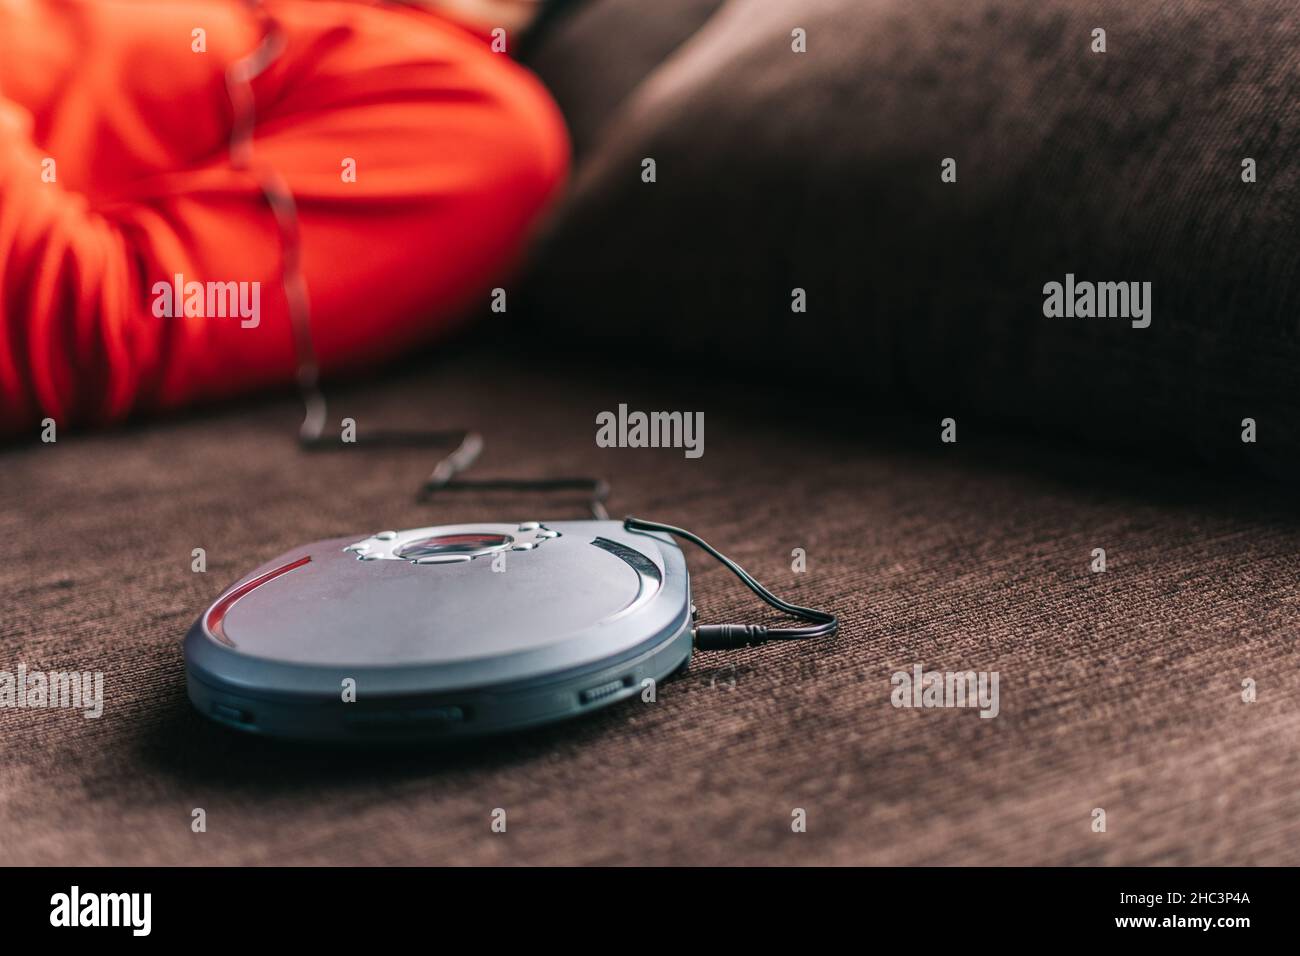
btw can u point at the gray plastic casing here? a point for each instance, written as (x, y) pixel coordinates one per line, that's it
(500, 642)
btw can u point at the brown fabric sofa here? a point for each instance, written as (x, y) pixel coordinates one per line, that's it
(1120, 691)
(821, 171)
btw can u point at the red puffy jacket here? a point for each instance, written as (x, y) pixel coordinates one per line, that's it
(417, 158)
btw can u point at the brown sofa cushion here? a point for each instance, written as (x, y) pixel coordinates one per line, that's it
(593, 53)
(821, 171)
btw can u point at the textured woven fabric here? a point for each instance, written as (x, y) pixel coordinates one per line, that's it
(821, 171)
(1119, 690)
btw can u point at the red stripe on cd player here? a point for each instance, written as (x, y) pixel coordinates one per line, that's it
(217, 615)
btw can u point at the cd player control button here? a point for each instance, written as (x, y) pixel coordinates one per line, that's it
(601, 691)
(529, 526)
(386, 535)
(524, 546)
(548, 533)
(437, 714)
(234, 714)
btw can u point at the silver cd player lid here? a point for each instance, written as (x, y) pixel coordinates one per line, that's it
(443, 608)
